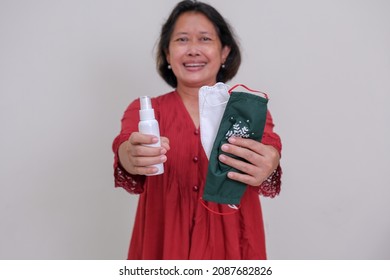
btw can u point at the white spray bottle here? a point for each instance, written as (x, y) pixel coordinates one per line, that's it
(149, 125)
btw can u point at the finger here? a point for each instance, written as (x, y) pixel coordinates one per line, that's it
(165, 143)
(139, 162)
(148, 170)
(242, 152)
(145, 151)
(138, 145)
(139, 138)
(251, 174)
(238, 164)
(243, 178)
(251, 144)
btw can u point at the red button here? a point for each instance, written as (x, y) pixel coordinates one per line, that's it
(196, 132)
(195, 188)
(195, 159)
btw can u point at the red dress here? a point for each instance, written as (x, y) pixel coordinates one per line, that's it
(171, 222)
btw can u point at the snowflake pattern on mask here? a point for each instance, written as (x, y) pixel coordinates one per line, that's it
(239, 129)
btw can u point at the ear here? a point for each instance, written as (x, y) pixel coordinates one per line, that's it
(225, 53)
(167, 57)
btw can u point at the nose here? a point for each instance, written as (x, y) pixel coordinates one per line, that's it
(193, 49)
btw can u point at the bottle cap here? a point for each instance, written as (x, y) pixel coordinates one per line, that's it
(146, 112)
(145, 103)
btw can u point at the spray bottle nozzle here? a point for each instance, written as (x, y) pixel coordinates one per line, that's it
(146, 112)
(146, 104)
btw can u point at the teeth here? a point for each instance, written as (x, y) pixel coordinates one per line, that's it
(194, 64)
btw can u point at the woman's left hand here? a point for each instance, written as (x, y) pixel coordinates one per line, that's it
(262, 160)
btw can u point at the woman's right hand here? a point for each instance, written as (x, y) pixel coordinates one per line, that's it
(138, 159)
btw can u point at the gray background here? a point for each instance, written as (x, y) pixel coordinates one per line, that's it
(68, 69)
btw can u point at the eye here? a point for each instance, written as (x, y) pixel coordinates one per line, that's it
(181, 39)
(205, 39)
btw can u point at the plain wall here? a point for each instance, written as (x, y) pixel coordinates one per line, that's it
(68, 70)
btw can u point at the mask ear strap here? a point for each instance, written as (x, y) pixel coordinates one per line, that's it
(249, 89)
(234, 207)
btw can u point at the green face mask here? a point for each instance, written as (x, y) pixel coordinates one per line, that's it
(244, 116)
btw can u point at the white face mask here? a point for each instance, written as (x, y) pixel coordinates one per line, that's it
(212, 103)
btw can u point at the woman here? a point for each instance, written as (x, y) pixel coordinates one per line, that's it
(196, 48)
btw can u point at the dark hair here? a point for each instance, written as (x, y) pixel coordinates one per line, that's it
(224, 32)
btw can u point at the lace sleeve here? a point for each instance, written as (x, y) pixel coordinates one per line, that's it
(271, 186)
(133, 184)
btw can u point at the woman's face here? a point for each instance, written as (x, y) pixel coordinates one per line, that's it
(195, 51)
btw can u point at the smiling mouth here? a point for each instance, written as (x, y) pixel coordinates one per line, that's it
(194, 65)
